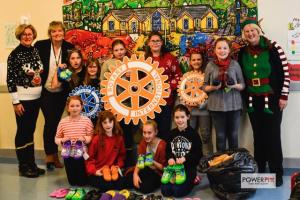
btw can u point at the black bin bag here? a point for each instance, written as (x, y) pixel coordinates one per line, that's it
(225, 178)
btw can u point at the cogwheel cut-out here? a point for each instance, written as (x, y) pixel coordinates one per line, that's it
(189, 89)
(92, 103)
(135, 89)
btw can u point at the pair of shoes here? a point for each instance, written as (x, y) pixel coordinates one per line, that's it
(110, 173)
(27, 170)
(59, 193)
(77, 150)
(174, 170)
(145, 160)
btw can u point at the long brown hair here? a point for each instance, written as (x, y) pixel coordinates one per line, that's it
(87, 78)
(117, 130)
(75, 79)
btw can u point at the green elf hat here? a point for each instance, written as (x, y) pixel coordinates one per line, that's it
(249, 21)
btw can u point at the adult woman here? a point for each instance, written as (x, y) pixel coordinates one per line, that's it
(24, 67)
(170, 64)
(266, 74)
(53, 52)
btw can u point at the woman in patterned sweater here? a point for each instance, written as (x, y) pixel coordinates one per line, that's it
(24, 67)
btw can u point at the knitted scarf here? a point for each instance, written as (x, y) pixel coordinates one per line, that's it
(223, 67)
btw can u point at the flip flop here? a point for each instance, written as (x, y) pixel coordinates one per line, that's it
(70, 194)
(105, 196)
(59, 193)
(106, 173)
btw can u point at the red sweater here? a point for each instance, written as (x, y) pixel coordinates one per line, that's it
(113, 153)
(172, 70)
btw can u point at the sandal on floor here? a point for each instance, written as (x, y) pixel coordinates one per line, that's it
(59, 193)
(119, 196)
(105, 196)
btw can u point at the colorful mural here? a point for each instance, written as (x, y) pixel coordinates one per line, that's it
(185, 24)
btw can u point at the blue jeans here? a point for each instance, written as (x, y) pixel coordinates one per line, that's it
(202, 124)
(227, 127)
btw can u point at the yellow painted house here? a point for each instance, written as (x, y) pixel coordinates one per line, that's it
(144, 20)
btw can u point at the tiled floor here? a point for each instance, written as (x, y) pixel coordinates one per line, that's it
(13, 187)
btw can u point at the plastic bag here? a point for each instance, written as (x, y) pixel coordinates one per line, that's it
(225, 177)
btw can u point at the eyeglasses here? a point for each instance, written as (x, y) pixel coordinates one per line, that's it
(155, 41)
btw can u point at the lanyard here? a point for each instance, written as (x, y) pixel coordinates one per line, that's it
(56, 60)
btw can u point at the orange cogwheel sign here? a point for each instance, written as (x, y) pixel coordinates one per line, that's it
(189, 88)
(135, 89)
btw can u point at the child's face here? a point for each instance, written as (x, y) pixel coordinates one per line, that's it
(119, 51)
(108, 125)
(155, 43)
(92, 70)
(222, 50)
(196, 61)
(149, 133)
(74, 108)
(75, 61)
(181, 119)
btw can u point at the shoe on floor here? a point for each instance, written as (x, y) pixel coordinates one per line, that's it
(39, 170)
(28, 171)
(79, 195)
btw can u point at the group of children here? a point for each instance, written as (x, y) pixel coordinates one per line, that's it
(169, 161)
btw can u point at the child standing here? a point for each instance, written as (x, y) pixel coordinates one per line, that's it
(73, 132)
(152, 159)
(200, 118)
(72, 73)
(92, 78)
(106, 154)
(183, 149)
(223, 83)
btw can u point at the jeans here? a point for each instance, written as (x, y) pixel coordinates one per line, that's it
(227, 126)
(203, 124)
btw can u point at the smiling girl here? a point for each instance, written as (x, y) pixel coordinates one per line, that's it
(223, 83)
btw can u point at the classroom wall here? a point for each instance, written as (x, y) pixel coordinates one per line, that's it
(275, 14)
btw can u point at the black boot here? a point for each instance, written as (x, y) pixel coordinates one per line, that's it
(279, 180)
(40, 171)
(28, 171)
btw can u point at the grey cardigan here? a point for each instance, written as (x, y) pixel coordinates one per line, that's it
(219, 100)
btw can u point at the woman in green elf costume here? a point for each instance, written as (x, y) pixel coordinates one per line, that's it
(265, 69)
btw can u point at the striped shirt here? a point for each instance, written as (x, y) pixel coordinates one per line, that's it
(69, 128)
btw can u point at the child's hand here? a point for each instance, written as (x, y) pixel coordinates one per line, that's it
(98, 172)
(65, 139)
(62, 65)
(136, 180)
(82, 139)
(171, 161)
(180, 160)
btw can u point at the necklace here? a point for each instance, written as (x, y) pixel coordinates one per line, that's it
(56, 59)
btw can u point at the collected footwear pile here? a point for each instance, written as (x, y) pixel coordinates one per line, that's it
(83, 194)
(174, 174)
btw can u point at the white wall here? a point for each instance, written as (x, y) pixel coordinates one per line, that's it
(276, 15)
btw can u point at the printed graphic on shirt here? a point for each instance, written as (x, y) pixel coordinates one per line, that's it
(34, 70)
(180, 146)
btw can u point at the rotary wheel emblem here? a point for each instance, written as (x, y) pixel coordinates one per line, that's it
(91, 100)
(189, 89)
(135, 89)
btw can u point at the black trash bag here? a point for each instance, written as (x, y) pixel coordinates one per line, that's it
(295, 193)
(225, 178)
